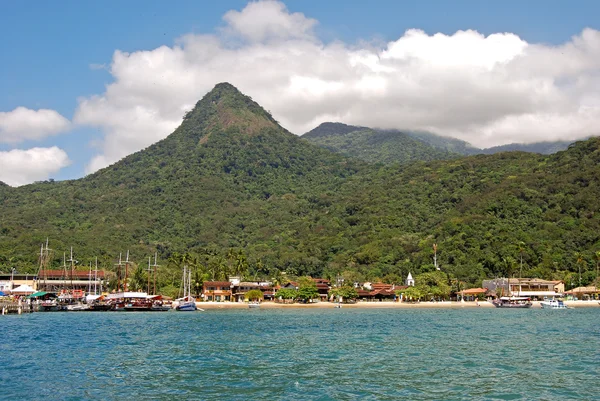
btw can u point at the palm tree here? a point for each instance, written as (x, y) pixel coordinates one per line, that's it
(597, 257)
(580, 261)
(521, 246)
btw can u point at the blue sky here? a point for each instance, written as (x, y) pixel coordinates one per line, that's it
(57, 53)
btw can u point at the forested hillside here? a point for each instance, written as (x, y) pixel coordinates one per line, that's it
(230, 191)
(374, 146)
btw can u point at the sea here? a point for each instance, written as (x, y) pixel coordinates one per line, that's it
(303, 354)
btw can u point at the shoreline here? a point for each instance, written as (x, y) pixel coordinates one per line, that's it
(381, 305)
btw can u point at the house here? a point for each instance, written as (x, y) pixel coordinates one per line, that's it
(535, 288)
(584, 293)
(240, 290)
(217, 291)
(11, 280)
(323, 287)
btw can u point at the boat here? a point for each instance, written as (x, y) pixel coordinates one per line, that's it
(187, 303)
(512, 302)
(78, 307)
(553, 304)
(253, 305)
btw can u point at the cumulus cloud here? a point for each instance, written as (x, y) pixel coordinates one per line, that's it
(23, 124)
(488, 90)
(20, 167)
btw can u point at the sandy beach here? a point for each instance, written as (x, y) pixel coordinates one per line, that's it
(381, 305)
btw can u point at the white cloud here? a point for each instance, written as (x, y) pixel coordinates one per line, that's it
(23, 124)
(268, 20)
(488, 90)
(20, 167)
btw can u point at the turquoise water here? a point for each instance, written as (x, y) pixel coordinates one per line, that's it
(299, 354)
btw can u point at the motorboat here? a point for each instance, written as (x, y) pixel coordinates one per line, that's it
(512, 302)
(553, 304)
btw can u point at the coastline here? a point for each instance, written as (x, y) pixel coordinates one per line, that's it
(381, 305)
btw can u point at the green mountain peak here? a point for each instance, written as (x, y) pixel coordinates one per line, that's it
(226, 109)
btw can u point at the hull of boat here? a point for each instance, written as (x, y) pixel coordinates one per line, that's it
(100, 308)
(186, 307)
(552, 305)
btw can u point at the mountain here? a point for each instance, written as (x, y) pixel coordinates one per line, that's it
(231, 191)
(394, 146)
(544, 148)
(373, 146)
(444, 142)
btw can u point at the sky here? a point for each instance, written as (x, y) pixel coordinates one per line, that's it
(84, 84)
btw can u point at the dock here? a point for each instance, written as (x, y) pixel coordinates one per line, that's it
(9, 307)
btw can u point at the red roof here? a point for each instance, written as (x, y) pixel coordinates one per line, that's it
(68, 274)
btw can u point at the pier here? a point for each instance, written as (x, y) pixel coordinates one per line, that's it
(10, 307)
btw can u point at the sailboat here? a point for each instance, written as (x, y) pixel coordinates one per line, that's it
(187, 302)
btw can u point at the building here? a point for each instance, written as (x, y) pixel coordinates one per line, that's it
(525, 287)
(410, 282)
(323, 287)
(11, 280)
(240, 290)
(217, 291)
(66, 280)
(584, 293)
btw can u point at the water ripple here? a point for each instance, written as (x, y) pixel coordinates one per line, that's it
(332, 354)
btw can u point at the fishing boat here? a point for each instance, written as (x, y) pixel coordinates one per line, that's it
(512, 302)
(187, 303)
(553, 304)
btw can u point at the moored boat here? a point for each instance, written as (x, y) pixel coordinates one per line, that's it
(187, 303)
(512, 302)
(553, 304)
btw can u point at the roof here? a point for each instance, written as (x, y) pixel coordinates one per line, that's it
(217, 283)
(70, 273)
(540, 281)
(581, 290)
(473, 291)
(380, 286)
(23, 289)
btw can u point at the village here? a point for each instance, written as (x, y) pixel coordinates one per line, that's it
(53, 290)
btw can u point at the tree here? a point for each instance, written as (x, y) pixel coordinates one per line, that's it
(307, 289)
(137, 281)
(254, 295)
(410, 294)
(521, 247)
(580, 260)
(597, 257)
(286, 293)
(345, 293)
(433, 284)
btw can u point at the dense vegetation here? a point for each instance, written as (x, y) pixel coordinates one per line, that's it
(374, 146)
(231, 192)
(393, 146)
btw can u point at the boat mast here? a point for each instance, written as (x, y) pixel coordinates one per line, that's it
(149, 269)
(64, 268)
(155, 266)
(96, 278)
(126, 268)
(72, 269)
(90, 279)
(44, 261)
(119, 272)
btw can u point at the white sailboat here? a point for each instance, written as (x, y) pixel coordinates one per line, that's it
(187, 302)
